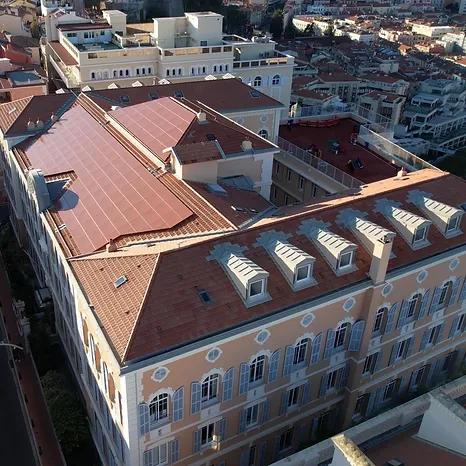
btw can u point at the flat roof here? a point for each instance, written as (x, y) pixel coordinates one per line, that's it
(63, 54)
(375, 168)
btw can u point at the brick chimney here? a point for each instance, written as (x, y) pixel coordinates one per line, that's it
(380, 257)
(111, 246)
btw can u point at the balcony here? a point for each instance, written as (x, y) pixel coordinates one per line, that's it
(195, 53)
(272, 59)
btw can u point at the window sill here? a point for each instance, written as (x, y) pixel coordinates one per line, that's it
(157, 424)
(256, 384)
(209, 403)
(292, 409)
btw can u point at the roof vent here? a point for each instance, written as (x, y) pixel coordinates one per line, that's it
(246, 145)
(402, 173)
(201, 117)
(39, 124)
(120, 281)
(53, 118)
(31, 126)
(116, 107)
(216, 189)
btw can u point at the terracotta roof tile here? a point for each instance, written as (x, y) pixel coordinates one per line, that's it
(63, 54)
(198, 152)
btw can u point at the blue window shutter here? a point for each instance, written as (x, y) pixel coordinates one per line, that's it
(390, 318)
(412, 380)
(453, 326)
(314, 425)
(302, 433)
(148, 458)
(402, 385)
(243, 379)
(370, 403)
(265, 411)
(284, 403)
(463, 293)
(276, 448)
(323, 386)
(306, 393)
(409, 352)
(378, 363)
(195, 397)
(430, 374)
(379, 397)
(228, 380)
(222, 429)
(274, 364)
(344, 377)
(263, 454)
(440, 333)
(288, 364)
(394, 353)
(435, 300)
(425, 338)
(424, 302)
(222, 463)
(242, 422)
(403, 312)
(175, 450)
(455, 291)
(244, 458)
(316, 344)
(329, 344)
(196, 441)
(356, 336)
(143, 419)
(178, 405)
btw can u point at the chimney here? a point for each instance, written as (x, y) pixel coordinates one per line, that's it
(53, 118)
(111, 246)
(201, 117)
(380, 257)
(246, 145)
(30, 125)
(39, 124)
(402, 173)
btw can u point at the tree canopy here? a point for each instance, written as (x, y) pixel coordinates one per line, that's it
(276, 25)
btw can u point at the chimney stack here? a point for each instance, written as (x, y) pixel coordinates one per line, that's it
(380, 257)
(53, 118)
(39, 124)
(201, 117)
(111, 246)
(246, 145)
(402, 173)
(31, 125)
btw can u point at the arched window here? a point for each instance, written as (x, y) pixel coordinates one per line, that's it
(341, 335)
(105, 373)
(99, 74)
(204, 69)
(209, 388)
(257, 81)
(193, 70)
(92, 349)
(379, 317)
(214, 68)
(226, 67)
(300, 350)
(158, 408)
(413, 306)
(444, 294)
(276, 80)
(256, 370)
(115, 73)
(263, 133)
(167, 72)
(239, 78)
(92, 74)
(180, 71)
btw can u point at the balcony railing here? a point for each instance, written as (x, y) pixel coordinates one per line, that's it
(329, 170)
(262, 62)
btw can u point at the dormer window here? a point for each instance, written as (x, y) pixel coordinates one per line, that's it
(420, 235)
(453, 224)
(346, 260)
(256, 289)
(303, 273)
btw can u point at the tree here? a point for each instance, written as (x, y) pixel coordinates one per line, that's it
(455, 164)
(330, 31)
(234, 20)
(309, 31)
(290, 31)
(276, 25)
(203, 5)
(67, 413)
(35, 28)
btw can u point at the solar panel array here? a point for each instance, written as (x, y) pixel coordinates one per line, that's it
(158, 124)
(113, 194)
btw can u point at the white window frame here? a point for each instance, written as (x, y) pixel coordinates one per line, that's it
(401, 354)
(263, 133)
(210, 386)
(306, 278)
(444, 294)
(416, 239)
(341, 330)
(256, 296)
(359, 403)
(412, 306)
(257, 370)
(277, 168)
(92, 350)
(419, 376)
(301, 183)
(288, 175)
(389, 388)
(379, 315)
(157, 453)
(369, 364)
(275, 81)
(332, 379)
(456, 221)
(252, 415)
(257, 82)
(288, 435)
(461, 323)
(207, 435)
(292, 398)
(300, 352)
(159, 408)
(350, 263)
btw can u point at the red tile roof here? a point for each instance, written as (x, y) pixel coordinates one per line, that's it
(83, 26)
(63, 54)
(173, 314)
(113, 194)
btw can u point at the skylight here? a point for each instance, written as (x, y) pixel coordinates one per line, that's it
(153, 96)
(211, 137)
(124, 99)
(205, 297)
(120, 281)
(179, 94)
(254, 94)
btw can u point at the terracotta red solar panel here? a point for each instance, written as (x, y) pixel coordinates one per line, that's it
(158, 124)
(113, 194)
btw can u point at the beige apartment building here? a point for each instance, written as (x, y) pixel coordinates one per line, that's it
(204, 325)
(109, 53)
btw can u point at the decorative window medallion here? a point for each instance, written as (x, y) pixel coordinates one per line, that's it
(387, 289)
(262, 337)
(454, 263)
(349, 304)
(422, 276)
(213, 354)
(307, 320)
(160, 374)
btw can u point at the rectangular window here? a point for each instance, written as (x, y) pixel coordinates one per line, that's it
(402, 348)
(274, 192)
(452, 224)
(359, 408)
(301, 183)
(460, 324)
(288, 175)
(346, 260)
(293, 397)
(443, 294)
(287, 199)
(412, 307)
(420, 234)
(207, 434)
(252, 456)
(447, 362)
(433, 335)
(286, 440)
(369, 364)
(314, 191)
(156, 456)
(256, 288)
(252, 415)
(378, 320)
(419, 376)
(302, 273)
(277, 168)
(332, 380)
(389, 390)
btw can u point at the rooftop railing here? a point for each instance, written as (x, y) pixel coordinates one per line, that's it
(321, 165)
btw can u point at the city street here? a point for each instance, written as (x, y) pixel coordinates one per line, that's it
(14, 440)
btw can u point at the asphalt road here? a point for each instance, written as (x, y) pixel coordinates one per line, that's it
(15, 446)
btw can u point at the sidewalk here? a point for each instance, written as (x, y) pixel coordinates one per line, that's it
(45, 439)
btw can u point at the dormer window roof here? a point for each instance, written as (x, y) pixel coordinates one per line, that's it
(413, 228)
(295, 264)
(338, 251)
(446, 218)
